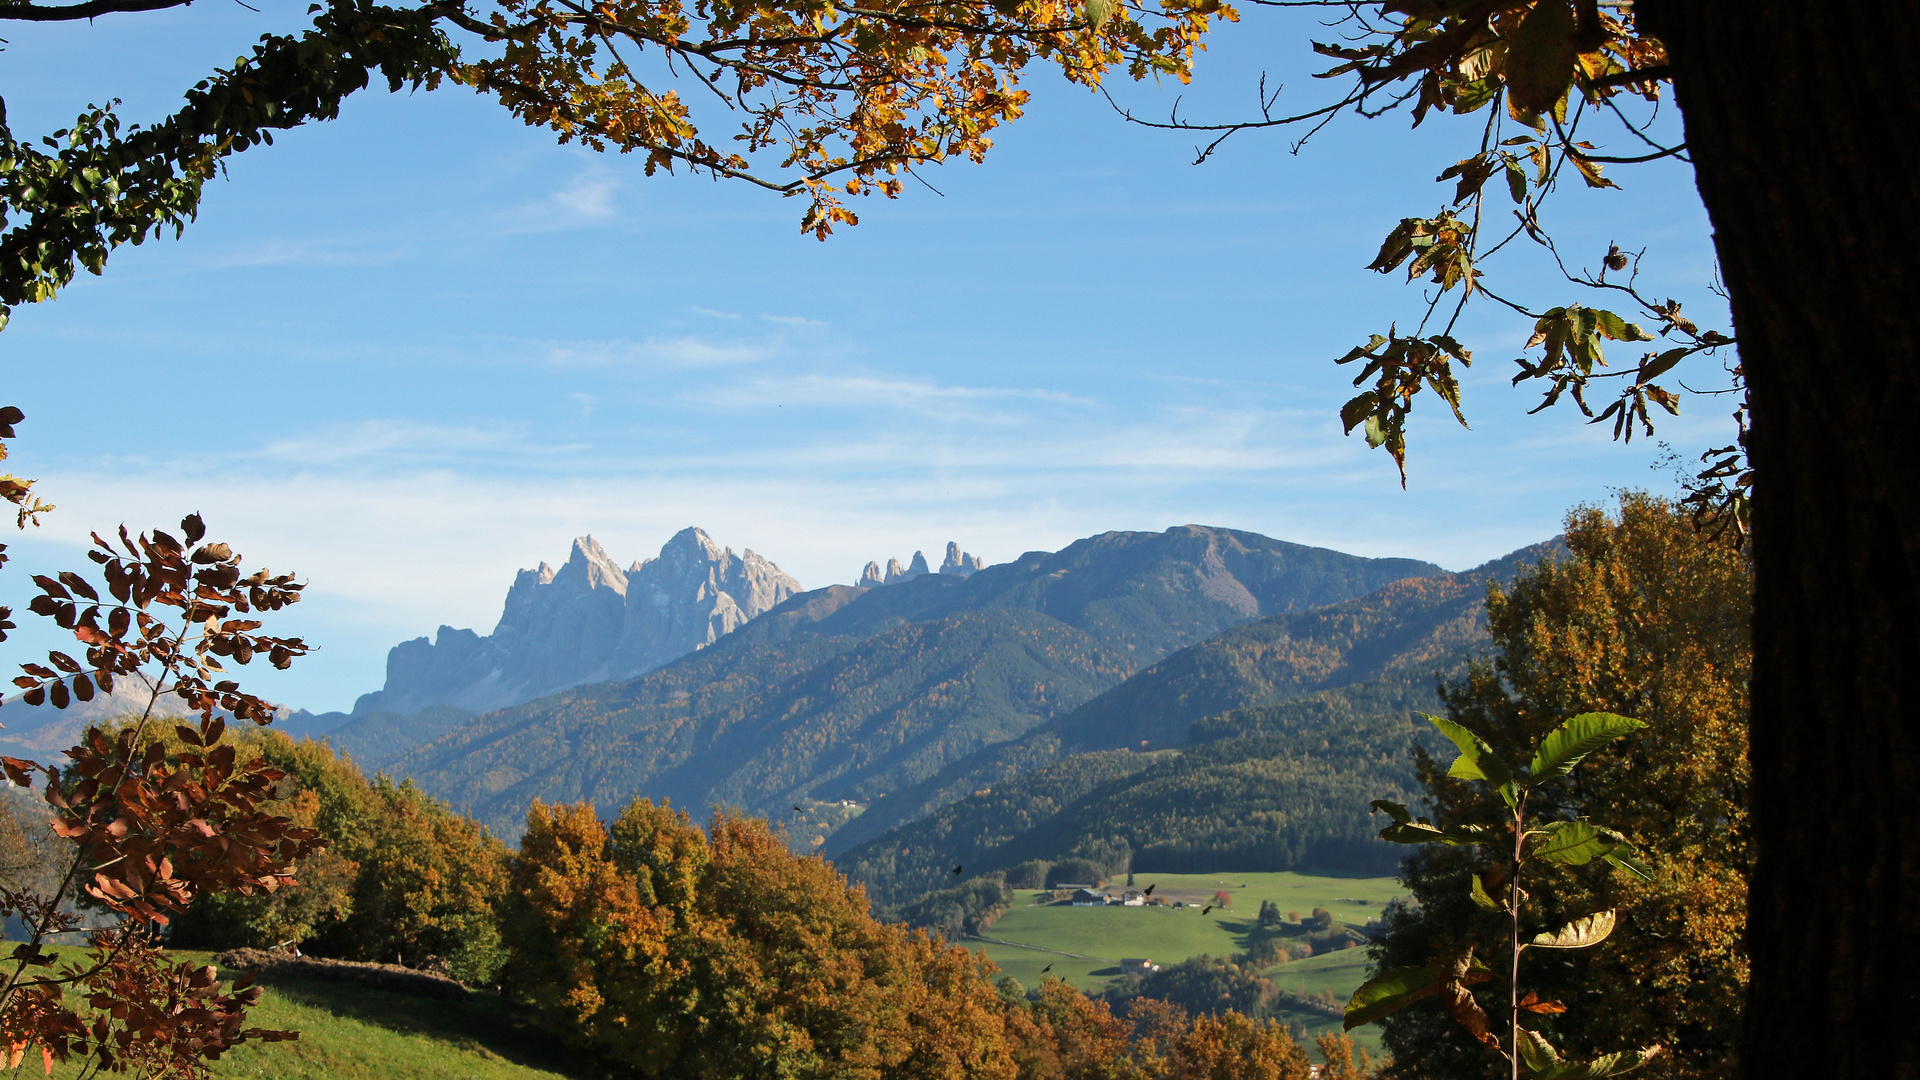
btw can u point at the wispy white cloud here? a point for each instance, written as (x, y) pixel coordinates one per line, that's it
(395, 441)
(920, 397)
(336, 250)
(715, 314)
(589, 194)
(793, 320)
(686, 351)
(585, 198)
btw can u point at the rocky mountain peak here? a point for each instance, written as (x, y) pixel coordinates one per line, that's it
(589, 567)
(960, 563)
(692, 546)
(957, 564)
(588, 621)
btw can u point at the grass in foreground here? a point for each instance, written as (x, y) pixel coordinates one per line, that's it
(349, 1032)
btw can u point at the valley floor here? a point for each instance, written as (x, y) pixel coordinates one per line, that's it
(1085, 945)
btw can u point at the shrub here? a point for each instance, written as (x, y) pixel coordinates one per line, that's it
(1201, 985)
(404, 879)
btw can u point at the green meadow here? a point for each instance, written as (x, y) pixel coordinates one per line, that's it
(1085, 945)
(1166, 935)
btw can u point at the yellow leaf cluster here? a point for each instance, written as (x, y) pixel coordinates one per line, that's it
(830, 98)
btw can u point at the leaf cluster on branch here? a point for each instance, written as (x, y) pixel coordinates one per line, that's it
(852, 95)
(1543, 73)
(828, 98)
(145, 830)
(1523, 842)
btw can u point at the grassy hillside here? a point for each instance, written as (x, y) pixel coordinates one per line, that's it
(855, 694)
(351, 1032)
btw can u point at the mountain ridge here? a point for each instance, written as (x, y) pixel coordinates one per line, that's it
(936, 668)
(1385, 648)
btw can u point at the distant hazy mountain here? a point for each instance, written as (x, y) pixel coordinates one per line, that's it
(376, 739)
(587, 622)
(42, 732)
(1259, 748)
(855, 693)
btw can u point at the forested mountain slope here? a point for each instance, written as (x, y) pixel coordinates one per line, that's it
(1412, 628)
(1278, 733)
(1274, 787)
(848, 693)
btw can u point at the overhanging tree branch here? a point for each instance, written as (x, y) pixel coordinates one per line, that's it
(91, 10)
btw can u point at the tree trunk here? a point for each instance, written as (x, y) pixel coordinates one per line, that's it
(1803, 120)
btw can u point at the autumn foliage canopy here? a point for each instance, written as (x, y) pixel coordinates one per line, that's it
(718, 953)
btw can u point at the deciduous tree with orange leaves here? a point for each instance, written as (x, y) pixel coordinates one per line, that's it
(719, 953)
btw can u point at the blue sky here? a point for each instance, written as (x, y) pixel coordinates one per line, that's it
(410, 351)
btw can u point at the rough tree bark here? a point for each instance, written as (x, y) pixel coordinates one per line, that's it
(1802, 121)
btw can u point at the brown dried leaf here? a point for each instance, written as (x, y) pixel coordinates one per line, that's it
(1459, 1000)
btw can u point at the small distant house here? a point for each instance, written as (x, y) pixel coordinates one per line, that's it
(1138, 966)
(1132, 898)
(1089, 898)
